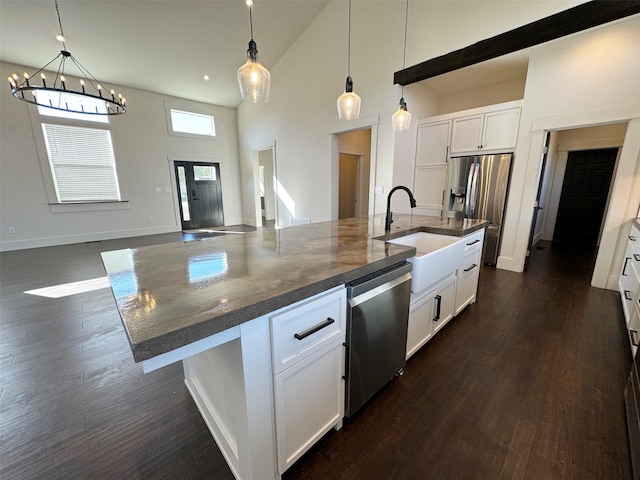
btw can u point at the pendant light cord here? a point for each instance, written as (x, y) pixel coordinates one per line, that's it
(404, 51)
(349, 44)
(251, 19)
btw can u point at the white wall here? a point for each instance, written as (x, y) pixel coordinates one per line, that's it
(307, 80)
(589, 78)
(142, 147)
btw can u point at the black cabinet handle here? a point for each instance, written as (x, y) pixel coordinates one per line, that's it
(636, 257)
(632, 238)
(438, 305)
(633, 342)
(624, 267)
(312, 330)
(473, 243)
(627, 295)
(470, 268)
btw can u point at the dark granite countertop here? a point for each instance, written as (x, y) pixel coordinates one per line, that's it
(172, 295)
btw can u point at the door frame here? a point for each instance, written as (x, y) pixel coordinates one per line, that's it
(365, 123)
(255, 162)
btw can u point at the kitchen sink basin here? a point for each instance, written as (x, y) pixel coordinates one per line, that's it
(436, 257)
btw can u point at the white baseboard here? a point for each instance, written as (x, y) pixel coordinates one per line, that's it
(84, 237)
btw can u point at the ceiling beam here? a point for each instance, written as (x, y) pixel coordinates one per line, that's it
(576, 19)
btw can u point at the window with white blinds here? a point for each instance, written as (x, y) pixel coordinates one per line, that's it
(82, 163)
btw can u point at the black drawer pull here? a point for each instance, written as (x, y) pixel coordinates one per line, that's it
(627, 295)
(438, 304)
(473, 243)
(624, 268)
(633, 342)
(632, 238)
(312, 330)
(470, 268)
(636, 257)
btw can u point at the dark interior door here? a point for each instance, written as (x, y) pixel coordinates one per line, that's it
(200, 194)
(584, 195)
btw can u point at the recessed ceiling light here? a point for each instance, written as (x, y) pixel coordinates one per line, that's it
(206, 77)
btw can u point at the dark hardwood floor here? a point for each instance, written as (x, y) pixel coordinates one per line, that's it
(525, 384)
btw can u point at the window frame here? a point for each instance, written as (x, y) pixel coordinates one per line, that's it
(55, 206)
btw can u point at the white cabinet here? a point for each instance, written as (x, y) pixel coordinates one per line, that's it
(494, 130)
(469, 271)
(308, 367)
(429, 312)
(628, 281)
(432, 150)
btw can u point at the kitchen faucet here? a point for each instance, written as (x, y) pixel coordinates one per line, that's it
(389, 219)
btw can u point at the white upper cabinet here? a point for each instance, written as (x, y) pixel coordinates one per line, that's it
(433, 143)
(493, 130)
(432, 149)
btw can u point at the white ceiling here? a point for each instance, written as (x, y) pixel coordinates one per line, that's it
(168, 46)
(160, 46)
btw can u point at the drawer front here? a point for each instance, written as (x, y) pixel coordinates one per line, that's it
(298, 332)
(474, 240)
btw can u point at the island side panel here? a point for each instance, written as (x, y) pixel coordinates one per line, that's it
(233, 388)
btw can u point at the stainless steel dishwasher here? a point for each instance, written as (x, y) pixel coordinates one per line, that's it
(377, 316)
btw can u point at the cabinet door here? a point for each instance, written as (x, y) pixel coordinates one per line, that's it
(500, 129)
(431, 166)
(309, 400)
(420, 323)
(466, 134)
(433, 143)
(444, 303)
(468, 278)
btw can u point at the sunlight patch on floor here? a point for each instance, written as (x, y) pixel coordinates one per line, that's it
(66, 289)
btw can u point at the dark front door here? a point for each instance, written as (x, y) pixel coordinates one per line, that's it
(199, 194)
(584, 195)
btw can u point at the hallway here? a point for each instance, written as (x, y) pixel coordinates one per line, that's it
(525, 384)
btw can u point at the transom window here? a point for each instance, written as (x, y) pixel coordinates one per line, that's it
(192, 123)
(77, 102)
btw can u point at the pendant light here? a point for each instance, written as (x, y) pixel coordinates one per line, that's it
(401, 120)
(91, 98)
(349, 102)
(254, 80)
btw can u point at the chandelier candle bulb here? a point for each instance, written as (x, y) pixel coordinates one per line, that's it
(82, 86)
(64, 87)
(43, 77)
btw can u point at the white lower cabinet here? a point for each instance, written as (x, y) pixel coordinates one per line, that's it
(309, 399)
(429, 312)
(469, 272)
(308, 366)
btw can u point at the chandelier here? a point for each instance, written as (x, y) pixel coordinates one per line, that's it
(90, 98)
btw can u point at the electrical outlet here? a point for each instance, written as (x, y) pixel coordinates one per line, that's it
(378, 190)
(167, 189)
(12, 230)
(158, 189)
(150, 219)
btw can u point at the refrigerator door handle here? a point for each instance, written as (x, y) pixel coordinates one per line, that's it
(474, 189)
(467, 197)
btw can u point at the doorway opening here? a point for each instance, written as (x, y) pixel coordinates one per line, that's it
(267, 188)
(199, 192)
(354, 173)
(575, 187)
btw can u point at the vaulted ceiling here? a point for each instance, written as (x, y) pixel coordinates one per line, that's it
(161, 46)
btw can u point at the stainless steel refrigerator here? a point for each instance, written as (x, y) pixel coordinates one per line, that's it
(476, 187)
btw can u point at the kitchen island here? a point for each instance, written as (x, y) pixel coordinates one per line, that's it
(216, 305)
